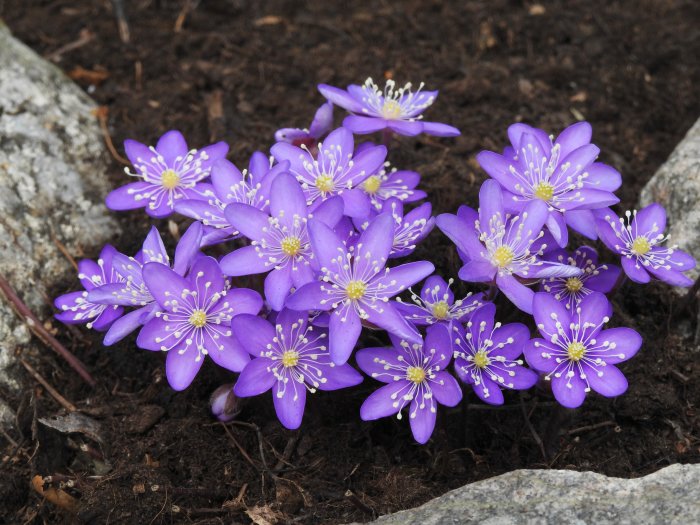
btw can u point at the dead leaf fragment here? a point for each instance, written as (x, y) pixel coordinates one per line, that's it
(58, 497)
(270, 20)
(264, 515)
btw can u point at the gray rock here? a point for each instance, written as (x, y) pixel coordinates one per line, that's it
(676, 186)
(52, 186)
(524, 497)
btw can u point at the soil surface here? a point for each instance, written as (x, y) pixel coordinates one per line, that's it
(236, 71)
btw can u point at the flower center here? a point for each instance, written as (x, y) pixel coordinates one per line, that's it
(324, 183)
(355, 290)
(574, 284)
(198, 318)
(503, 256)
(290, 358)
(576, 351)
(291, 245)
(391, 109)
(169, 179)
(415, 374)
(481, 359)
(372, 185)
(544, 191)
(640, 246)
(441, 309)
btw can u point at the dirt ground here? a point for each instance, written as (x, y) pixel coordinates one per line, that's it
(236, 71)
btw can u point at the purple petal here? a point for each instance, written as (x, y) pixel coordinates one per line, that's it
(344, 331)
(603, 177)
(626, 342)
(461, 232)
(576, 162)
(287, 199)
(488, 391)
(680, 260)
(547, 312)
(278, 284)
(541, 138)
(401, 277)
(557, 227)
(138, 153)
(498, 167)
(326, 244)
(355, 203)
(163, 283)
(322, 122)
(574, 137)
(605, 280)
(533, 350)
(583, 222)
(283, 151)
(522, 378)
(372, 361)
(607, 380)
(477, 271)
(446, 389)
(224, 174)
(437, 129)
(125, 198)
(390, 319)
(519, 294)
(490, 203)
(153, 334)
(569, 391)
(246, 219)
(364, 125)
(339, 140)
(383, 402)
(342, 376)
(367, 162)
(651, 219)
(244, 261)
(607, 234)
(289, 401)
(226, 351)
(172, 145)
(330, 211)
(633, 269)
(340, 97)
(423, 413)
(124, 326)
(481, 320)
(181, 369)
(405, 127)
(589, 199)
(309, 297)
(517, 333)
(256, 378)
(213, 152)
(594, 308)
(187, 248)
(671, 277)
(253, 333)
(244, 301)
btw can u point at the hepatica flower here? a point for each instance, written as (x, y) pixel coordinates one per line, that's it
(195, 319)
(230, 185)
(416, 378)
(487, 355)
(561, 173)
(76, 308)
(334, 170)
(320, 125)
(280, 239)
(355, 285)
(436, 304)
(595, 277)
(503, 247)
(385, 185)
(291, 358)
(398, 109)
(575, 353)
(169, 172)
(639, 239)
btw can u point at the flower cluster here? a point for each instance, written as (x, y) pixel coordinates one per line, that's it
(325, 219)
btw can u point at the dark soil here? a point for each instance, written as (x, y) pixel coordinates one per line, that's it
(236, 71)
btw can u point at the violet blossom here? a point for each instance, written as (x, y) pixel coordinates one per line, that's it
(575, 353)
(502, 247)
(639, 239)
(320, 125)
(385, 185)
(561, 173)
(290, 357)
(398, 109)
(487, 355)
(280, 240)
(416, 377)
(224, 404)
(436, 304)
(595, 277)
(169, 172)
(195, 319)
(334, 170)
(356, 286)
(230, 185)
(76, 308)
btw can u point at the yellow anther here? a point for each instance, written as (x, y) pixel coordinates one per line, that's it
(415, 374)
(574, 284)
(355, 290)
(440, 310)
(640, 246)
(169, 179)
(291, 245)
(372, 184)
(290, 358)
(544, 191)
(503, 256)
(324, 183)
(198, 318)
(481, 359)
(576, 351)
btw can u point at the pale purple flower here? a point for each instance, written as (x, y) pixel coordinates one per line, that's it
(562, 173)
(436, 304)
(575, 354)
(224, 404)
(416, 377)
(398, 109)
(385, 185)
(639, 239)
(196, 319)
(169, 172)
(595, 277)
(291, 357)
(487, 355)
(280, 240)
(502, 247)
(334, 170)
(320, 125)
(132, 291)
(75, 308)
(355, 285)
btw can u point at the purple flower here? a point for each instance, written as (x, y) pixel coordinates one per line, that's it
(169, 172)
(395, 108)
(639, 239)
(132, 290)
(291, 357)
(487, 355)
(224, 404)
(575, 354)
(563, 174)
(409, 230)
(385, 185)
(77, 309)
(355, 285)
(595, 278)
(280, 240)
(335, 170)
(415, 376)
(196, 319)
(436, 304)
(321, 124)
(229, 186)
(501, 246)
